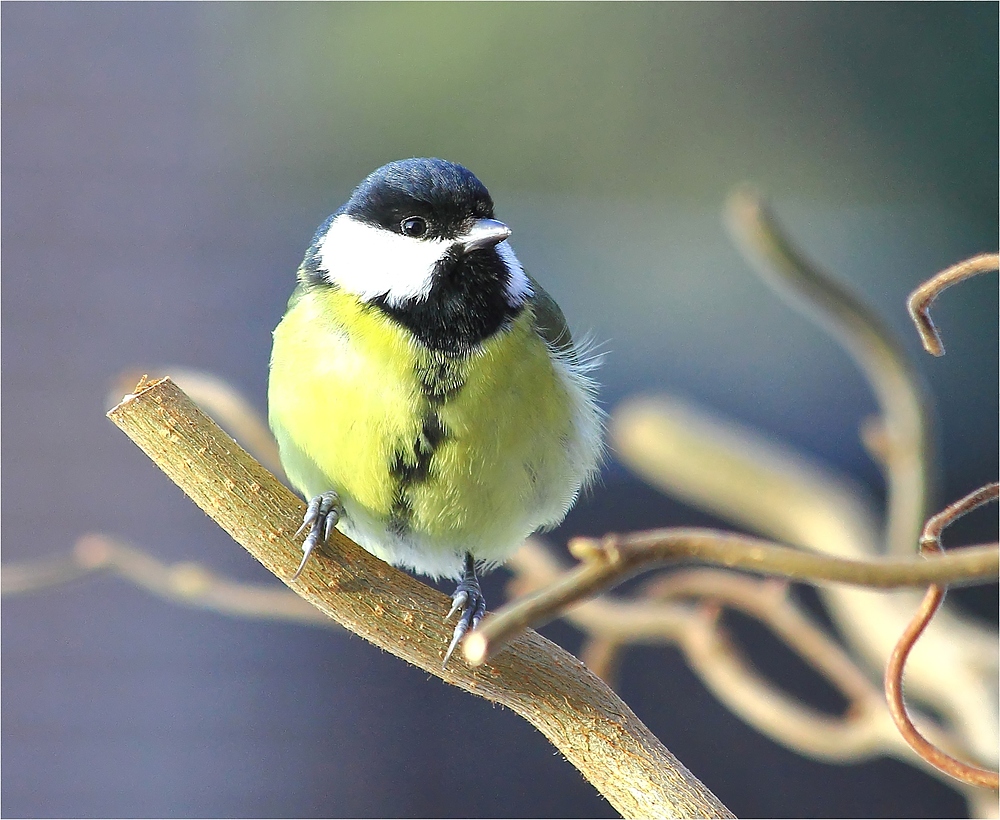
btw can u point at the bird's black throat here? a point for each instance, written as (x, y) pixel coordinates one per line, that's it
(467, 303)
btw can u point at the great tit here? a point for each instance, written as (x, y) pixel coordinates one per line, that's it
(424, 390)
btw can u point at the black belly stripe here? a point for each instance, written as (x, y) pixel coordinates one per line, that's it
(440, 382)
(432, 434)
(400, 515)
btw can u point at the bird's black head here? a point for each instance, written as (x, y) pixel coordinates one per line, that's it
(429, 198)
(418, 241)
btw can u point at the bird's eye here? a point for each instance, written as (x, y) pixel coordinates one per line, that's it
(413, 226)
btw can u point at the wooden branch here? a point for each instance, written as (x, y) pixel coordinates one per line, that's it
(227, 407)
(547, 686)
(615, 558)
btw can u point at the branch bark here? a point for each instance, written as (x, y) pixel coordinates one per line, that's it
(547, 686)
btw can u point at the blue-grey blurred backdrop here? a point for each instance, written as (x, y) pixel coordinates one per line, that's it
(164, 166)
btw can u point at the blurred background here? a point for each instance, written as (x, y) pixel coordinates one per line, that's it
(164, 167)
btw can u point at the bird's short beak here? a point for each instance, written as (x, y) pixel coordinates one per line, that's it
(485, 233)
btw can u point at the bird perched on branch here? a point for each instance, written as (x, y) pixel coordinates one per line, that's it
(424, 390)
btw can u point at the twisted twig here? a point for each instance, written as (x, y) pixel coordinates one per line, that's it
(919, 303)
(930, 543)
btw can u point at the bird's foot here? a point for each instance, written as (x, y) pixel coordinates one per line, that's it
(469, 602)
(321, 517)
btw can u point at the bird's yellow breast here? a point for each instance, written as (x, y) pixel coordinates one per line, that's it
(426, 451)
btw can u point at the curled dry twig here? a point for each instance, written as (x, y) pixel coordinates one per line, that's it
(930, 544)
(919, 303)
(756, 483)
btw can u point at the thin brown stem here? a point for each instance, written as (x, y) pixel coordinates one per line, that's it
(610, 561)
(930, 542)
(930, 538)
(919, 303)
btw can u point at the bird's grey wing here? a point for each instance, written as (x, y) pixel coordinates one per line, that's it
(550, 323)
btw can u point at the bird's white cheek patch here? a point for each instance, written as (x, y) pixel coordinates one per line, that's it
(518, 289)
(369, 261)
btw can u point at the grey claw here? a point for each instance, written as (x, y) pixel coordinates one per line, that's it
(330, 524)
(469, 601)
(311, 515)
(306, 552)
(321, 517)
(459, 602)
(460, 629)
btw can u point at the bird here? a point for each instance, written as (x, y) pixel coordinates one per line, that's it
(425, 392)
